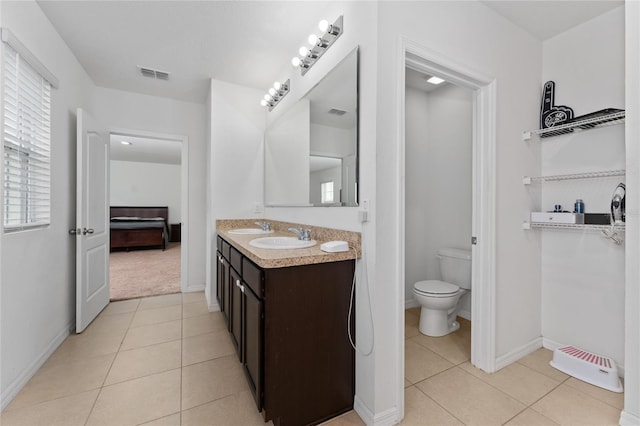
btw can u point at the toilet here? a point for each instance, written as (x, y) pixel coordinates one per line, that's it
(439, 299)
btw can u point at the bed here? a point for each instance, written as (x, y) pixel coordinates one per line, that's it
(139, 227)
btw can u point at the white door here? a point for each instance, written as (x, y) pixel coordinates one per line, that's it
(92, 230)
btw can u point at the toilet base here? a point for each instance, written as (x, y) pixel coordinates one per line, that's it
(437, 323)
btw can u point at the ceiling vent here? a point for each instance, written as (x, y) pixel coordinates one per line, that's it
(336, 111)
(151, 73)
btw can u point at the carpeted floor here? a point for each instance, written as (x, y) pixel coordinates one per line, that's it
(139, 273)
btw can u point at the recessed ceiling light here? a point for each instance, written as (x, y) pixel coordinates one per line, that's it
(435, 80)
(125, 142)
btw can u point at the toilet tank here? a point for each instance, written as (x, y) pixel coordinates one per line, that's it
(455, 266)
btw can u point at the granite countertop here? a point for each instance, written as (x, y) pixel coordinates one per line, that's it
(269, 258)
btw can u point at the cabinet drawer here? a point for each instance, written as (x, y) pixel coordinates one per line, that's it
(219, 243)
(235, 258)
(252, 275)
(225, 249)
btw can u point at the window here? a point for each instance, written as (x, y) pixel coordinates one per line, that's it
(326, 191)
(26, 141)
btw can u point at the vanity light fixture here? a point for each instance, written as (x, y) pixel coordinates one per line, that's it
(435, 80)
(275, 95)
(318, 45)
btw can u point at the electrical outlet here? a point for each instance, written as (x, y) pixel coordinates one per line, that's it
(257, 208)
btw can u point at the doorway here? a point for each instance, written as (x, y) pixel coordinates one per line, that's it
(148, 213)
(438, 181)
(427, 61)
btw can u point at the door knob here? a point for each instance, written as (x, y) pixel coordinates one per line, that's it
(86, 231)
(75, 231)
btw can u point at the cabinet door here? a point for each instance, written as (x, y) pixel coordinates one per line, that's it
(226, 291)
(235, 311)
(221, 276)
(252, 343)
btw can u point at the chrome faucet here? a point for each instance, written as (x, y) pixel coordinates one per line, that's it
(303, 234)
(266, 226)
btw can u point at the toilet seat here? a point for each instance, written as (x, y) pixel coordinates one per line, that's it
(436, 288)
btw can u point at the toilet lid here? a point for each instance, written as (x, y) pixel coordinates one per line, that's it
(436, 287)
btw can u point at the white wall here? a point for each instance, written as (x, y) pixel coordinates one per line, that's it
(147, 184)
(38, 303)
(466, 33)
(583, 274)
(360, 29)
(237, 132)
(631, 414)
(118, 110)
(235, 162)
(210, 225)
(286, 157)
(438, 181)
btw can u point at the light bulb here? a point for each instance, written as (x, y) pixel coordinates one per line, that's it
(277, 85)
(264, 103)
(272, 91)
(313, 39)
(268, 97)
(323, 25)
(296, 61)
(304, 51)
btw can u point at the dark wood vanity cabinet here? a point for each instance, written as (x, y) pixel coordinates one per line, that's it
(290, 328)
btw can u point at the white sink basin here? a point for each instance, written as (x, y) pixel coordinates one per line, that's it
(249, 231)
(281, 243)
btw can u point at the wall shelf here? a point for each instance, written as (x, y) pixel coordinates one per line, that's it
(586, 124)
(538, 225)
(527, 180)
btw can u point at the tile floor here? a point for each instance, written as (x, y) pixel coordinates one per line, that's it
(527, 392)
(166, 361)
(161, 360)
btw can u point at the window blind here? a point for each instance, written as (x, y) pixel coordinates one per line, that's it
(27, 145)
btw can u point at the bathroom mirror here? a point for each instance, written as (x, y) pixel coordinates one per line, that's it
(311, 151)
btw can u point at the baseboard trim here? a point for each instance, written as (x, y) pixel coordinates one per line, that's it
(522, 351)
(550, 344)
(214, 307)
(363, 411)
(628, 419)
(386, 418)
(465, 314)
(553, 345)
(16, 386)
(193, 289)
(411, 303)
